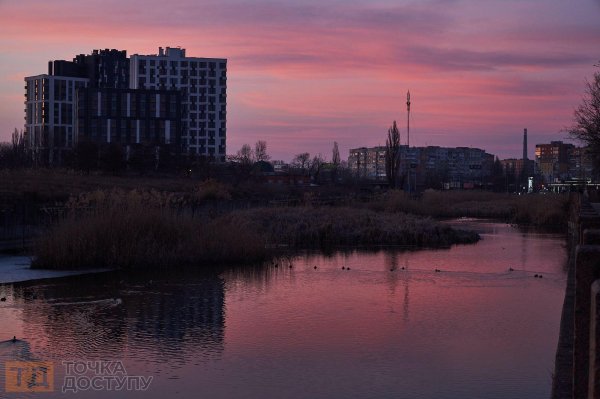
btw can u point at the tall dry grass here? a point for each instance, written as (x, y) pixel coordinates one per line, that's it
(138, 237)
(325, 227)
(545, 211)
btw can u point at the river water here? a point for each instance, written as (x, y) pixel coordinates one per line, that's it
(389, 327)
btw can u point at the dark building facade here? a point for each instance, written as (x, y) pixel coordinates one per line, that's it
(95, 97)
(106, 68)
(129, 116)
(103, 68)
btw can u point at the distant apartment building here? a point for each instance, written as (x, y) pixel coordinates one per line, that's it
(559, 162)
(517, 168)
(50, 115)
(368, 163)
(455, 167)
(202, 83)
(581, 164)
(177, 104)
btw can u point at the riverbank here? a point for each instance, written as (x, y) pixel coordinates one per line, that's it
(16, 269)
(133, 237)
(577, 369)
(543, 211)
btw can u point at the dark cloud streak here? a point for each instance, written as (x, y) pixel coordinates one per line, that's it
(470, 60)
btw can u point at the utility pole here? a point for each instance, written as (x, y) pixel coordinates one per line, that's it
(408, 119)
(408, 171)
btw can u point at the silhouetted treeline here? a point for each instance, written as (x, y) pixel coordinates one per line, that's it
(14, 154)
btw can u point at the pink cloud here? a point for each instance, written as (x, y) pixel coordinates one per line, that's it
(306, 73)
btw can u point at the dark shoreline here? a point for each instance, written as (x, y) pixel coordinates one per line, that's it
(136, 237)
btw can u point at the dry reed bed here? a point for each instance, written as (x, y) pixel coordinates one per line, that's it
(325, 227)
(61, 183)
(145, 237)
(137, 237)
(546, 211)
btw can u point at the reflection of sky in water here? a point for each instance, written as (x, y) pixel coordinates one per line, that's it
(474, 329)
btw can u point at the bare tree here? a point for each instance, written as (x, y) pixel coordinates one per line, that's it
(316, 165)
(14, 154)
(586, 123)
(335, 161)
(260, 151)
(301, 161)
(392, 155)
(335, 156)
(245, 155)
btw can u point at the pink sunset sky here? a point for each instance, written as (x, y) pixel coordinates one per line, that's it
(303, 74)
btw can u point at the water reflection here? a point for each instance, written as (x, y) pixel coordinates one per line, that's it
(146, 320)
(386, 325)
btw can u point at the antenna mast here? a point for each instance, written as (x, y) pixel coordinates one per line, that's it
(408, 119)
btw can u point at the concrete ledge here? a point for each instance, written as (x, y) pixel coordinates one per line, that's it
(588, 221)
(591, 237)
(587, 270)
(594, 374)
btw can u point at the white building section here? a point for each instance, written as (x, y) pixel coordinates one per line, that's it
(51, 114)
(203, 85)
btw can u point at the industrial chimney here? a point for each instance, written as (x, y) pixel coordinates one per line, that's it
(525, 145)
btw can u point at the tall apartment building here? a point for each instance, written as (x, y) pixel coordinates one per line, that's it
(166, 101)
(52, 99)
(50, 115)
(202, 83)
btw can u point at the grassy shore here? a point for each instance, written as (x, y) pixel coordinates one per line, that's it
(543, 211)
(132, 222)
(137, 237)
(57, 186)
(140, 237)
(307, 227)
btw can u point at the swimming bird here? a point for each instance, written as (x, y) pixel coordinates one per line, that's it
(535, 276)
(510, 269)
(343, 268)
(14, 339)
(3, 299)
(437, 270)
(315, 268)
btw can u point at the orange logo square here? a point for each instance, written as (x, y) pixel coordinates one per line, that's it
(29, 376)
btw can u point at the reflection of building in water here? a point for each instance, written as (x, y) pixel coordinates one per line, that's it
(94, 317)
(174, 312)
(396, 273)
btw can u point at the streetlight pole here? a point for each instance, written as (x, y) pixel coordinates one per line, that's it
(408, 138)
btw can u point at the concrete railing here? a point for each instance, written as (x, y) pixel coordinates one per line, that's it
(594, 350)
(585, 238)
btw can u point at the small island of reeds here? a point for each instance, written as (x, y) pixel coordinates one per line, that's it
(128, 231)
